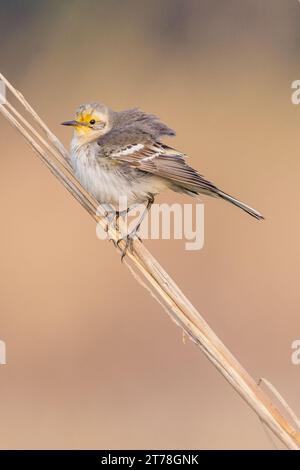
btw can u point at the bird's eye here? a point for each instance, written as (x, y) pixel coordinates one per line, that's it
(92, 121)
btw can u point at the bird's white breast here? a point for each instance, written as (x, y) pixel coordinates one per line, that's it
(106, 181)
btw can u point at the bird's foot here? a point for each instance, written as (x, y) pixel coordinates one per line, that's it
(109, 218)
(129, 240)
(112, 220)
(128, 246)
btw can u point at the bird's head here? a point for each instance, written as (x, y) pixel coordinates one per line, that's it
(91, 121)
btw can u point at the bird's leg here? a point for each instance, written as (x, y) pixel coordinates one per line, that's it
(119, 214)
(134, 233)
(122, 214)
(109, 215)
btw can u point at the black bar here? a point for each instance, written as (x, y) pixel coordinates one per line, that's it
(131, 458)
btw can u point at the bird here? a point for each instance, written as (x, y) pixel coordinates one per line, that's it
(121, 154)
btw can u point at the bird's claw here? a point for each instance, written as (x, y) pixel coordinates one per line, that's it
(128, 239)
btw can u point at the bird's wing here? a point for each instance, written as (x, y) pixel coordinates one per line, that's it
(140, 151)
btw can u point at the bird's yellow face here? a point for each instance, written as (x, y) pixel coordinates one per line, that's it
(89, 124)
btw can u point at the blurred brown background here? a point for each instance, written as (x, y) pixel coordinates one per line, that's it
(92, 360)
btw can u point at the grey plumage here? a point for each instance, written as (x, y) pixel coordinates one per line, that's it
(146, 124)
(125, 156)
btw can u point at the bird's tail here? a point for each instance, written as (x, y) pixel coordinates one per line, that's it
(240, 204)
(182, 178)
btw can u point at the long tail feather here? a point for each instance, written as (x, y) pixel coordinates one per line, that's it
(241, 205)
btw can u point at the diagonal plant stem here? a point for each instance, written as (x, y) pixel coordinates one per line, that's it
(151, 275)
(281, 400)
(55, 141)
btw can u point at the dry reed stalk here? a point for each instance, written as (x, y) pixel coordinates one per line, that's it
(142, 264)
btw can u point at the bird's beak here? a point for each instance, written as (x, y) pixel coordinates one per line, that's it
(71, 123)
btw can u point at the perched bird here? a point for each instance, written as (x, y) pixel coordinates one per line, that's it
(117, 154)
